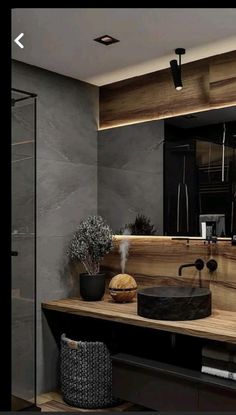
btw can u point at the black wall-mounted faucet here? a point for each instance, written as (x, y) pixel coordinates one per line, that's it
(212, 265)
(198, 264)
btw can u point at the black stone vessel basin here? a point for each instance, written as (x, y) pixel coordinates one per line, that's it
(174, 303)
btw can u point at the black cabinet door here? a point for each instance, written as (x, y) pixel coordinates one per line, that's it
(152, 389)
(216, 399)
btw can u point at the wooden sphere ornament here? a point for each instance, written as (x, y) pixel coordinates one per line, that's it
(123, 288)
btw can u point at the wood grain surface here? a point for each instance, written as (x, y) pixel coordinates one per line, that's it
(221, 325)
(154, 260)
(208, 83)
(53, 402)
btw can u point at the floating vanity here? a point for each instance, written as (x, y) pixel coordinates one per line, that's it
(221, 325)
(156, 362)
(166, 362)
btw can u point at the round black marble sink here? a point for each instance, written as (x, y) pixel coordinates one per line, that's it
(174, 303)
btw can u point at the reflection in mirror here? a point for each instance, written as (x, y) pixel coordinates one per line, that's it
(200, 166)
(172, 177)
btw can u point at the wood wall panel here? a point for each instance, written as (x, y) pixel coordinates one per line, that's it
(222, 79)
(208, 83)
(155, 261)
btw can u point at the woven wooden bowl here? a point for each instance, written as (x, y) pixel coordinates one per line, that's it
(123, 288)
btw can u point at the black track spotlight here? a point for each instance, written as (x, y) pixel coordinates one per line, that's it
(176, 69)
(176, 74)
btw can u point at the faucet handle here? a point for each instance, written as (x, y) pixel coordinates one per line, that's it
(199, 264)
(212, 265)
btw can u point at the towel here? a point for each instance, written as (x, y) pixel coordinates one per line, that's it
(219, 364)
(218, 372)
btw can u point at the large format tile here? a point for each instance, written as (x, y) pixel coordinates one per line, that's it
(66, 194)
(22, 120)
(53, 275)
(67, 114)
(22, 150)
(23, 278)
(124, 194)
(23, 343)
(54, 281)
(67, 119)
(66, 133)
(137, 147)
(23, 195)
(47, 356)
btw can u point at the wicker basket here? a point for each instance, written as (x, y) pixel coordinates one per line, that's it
(86, 374)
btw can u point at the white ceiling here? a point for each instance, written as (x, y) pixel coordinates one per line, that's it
(61, 40)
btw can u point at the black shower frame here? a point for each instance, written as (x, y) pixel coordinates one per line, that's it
(20, 91)
(15, 100)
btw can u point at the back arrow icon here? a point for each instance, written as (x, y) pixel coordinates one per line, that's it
(17, 40)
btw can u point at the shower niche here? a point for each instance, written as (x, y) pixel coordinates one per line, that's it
(200, 175)
(23, 142)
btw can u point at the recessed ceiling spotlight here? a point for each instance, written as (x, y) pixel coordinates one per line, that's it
(106, 40)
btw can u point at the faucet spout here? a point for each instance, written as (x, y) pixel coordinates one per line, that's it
(184, 266)
(198, 264)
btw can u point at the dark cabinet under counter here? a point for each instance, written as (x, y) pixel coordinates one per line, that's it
(216, 399)
(162, 373)
(162, 386)
(152, 384)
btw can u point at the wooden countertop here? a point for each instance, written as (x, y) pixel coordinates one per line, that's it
(221, 325)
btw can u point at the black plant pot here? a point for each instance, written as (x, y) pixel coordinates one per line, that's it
(92, 287)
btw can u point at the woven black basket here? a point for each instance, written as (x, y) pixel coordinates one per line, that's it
(86, 374)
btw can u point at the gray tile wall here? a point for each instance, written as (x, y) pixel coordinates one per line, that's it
(130, 177)
(23, 242)
(67, 118)
(130, 174)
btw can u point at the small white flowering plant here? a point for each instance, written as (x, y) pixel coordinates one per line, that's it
(91, 241)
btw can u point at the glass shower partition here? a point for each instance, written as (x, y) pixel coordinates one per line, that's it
(23, 247)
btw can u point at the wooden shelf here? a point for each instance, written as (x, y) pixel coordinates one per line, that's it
(53, 402)
(221, 325)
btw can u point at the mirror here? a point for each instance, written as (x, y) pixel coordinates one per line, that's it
(173, 177)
